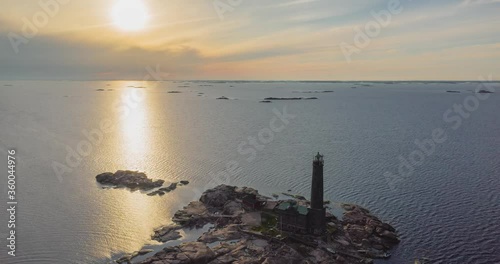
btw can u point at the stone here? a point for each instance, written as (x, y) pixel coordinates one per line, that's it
(230, 232)
(143, 252)
(186, 253)
(167, 233)
(218, 196)
(233, 208)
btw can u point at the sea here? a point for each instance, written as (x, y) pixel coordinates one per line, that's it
(422, 156)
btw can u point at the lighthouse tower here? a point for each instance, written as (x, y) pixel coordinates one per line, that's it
(317, 212)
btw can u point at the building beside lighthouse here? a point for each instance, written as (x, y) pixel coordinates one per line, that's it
(296, 218)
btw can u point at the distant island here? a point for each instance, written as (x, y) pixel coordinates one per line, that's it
(289, 98)
(484, 91)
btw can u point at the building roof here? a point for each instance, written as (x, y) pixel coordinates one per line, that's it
(288, 206)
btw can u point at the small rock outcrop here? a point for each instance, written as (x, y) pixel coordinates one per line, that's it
(167, 233)
(132, 180)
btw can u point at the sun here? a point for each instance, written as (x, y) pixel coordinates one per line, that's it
(130, 15)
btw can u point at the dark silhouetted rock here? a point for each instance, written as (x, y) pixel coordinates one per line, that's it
(484, 92)
(133, 180)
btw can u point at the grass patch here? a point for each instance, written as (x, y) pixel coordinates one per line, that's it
(268, 226)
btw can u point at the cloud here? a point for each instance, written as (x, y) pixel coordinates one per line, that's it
(466, 3)
(294, 39)
(48, 57)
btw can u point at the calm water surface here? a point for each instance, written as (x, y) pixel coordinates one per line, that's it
(447, 210)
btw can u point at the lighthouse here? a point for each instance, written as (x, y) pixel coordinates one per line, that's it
(317, 212)
(299, 219)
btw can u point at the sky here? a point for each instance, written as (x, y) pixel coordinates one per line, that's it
(251, 40)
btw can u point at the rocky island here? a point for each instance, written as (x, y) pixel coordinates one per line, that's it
(247, 230)
(247, 227)
(135, 180)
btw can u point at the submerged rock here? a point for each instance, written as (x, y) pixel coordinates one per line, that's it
(168, 189)
(165, 190)
(129, 257)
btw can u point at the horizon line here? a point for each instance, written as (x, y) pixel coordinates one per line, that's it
(231, 80)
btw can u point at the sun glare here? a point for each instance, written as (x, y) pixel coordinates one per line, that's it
(130, 15)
